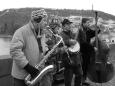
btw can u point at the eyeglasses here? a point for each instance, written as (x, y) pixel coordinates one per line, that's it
(38, 20)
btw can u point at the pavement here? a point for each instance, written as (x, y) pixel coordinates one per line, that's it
(6, 64)
(5, 72)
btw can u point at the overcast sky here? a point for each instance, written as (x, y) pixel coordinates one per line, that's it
(107, 6)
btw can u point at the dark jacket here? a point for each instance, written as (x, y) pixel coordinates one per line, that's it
(85, 36)
(87, 50)
(67, 35)
(75, 57)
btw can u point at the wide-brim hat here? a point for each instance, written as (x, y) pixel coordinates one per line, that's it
(66, 21)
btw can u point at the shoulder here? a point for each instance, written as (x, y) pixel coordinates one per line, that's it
(21, 29)
(19, 33)
(24, 29)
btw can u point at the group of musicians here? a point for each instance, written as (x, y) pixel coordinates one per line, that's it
(35, 39)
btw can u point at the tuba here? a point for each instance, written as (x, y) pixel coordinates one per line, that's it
(28, 80)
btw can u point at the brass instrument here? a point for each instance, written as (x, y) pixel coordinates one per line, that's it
(28, 80)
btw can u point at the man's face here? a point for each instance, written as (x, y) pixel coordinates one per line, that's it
(41, 25)
(67, 27)
(87, 23)
(56, 29)
(43, 22)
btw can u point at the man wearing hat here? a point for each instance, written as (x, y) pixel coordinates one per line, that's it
(26, 49)
(71, 60)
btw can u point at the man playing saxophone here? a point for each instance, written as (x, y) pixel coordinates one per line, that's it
(27, 48)
(54, 29)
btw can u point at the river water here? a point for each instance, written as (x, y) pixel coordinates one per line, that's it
(4, 45)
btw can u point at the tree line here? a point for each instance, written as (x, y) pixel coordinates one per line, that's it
(16, 18)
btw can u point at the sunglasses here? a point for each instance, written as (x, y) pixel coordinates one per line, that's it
(38, 20)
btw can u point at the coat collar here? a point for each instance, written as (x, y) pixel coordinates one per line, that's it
(32, 28)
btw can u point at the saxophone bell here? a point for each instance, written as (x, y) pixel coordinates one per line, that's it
(32, 82)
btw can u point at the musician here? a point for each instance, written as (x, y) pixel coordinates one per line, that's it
(87, 50)
(54, 28)
(27, 48)
(72, 61)
(55, 25)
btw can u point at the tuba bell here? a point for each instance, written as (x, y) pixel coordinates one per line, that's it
(28, 80)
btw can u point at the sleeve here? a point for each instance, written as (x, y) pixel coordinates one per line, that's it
(49, 43)
(81, 36)
(16, 50)
(91, 33)
(66, 39)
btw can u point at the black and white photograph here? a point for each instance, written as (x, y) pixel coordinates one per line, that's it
(57, 43)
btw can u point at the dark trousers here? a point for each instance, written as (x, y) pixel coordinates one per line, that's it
(88, 57)
(68, 75)
(19, 82)
(72, 69)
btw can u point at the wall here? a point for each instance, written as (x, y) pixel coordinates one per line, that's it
(5, 72)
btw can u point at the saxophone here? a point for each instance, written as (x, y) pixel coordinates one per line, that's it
(28, 80)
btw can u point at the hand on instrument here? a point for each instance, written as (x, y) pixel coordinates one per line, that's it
(72, 42)
(31, 70)
(61, 50)
(95, 49)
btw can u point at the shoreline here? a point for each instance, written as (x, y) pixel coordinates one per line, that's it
(5, 36)
(5, 57)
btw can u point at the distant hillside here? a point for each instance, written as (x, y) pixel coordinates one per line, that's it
(15, 18)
